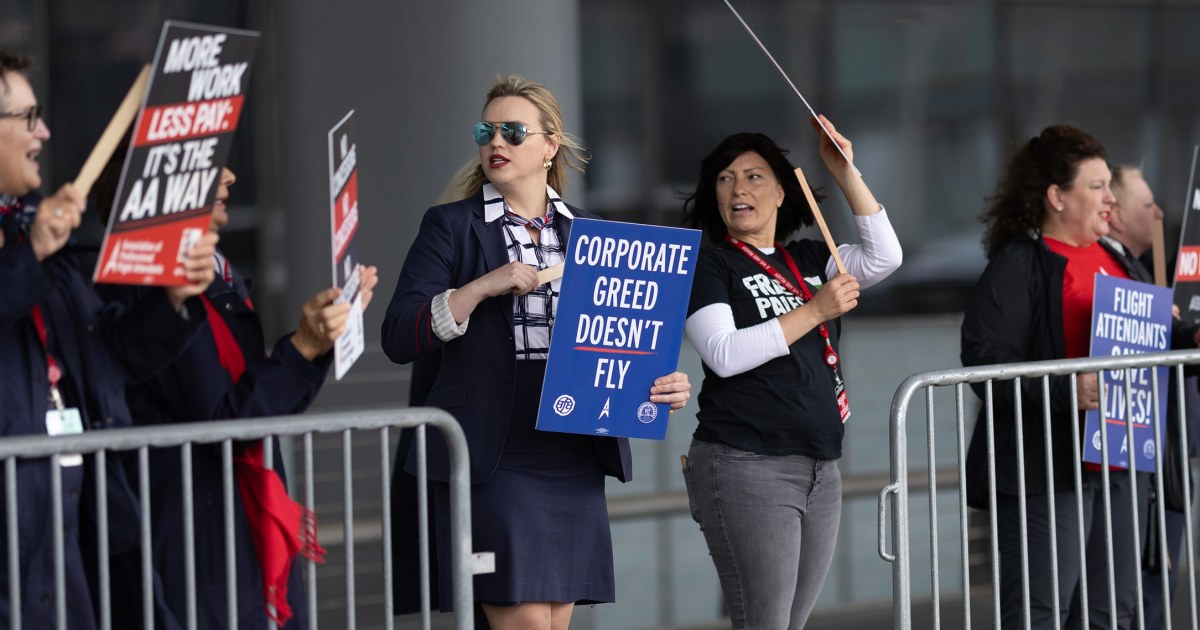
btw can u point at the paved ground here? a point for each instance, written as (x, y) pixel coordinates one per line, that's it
(860, 616)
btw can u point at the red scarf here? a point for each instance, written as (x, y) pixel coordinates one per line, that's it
(280, 527)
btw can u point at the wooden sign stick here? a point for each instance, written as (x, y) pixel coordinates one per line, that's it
(812, 203)
(112, 135)
(550, 273)
(1158, 250)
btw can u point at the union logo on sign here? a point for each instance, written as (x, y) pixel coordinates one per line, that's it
(564, 405)
(647, 412)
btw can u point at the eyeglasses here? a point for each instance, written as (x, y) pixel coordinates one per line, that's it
(31, 116)
(513, 132)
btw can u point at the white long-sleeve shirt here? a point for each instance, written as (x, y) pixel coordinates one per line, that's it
(728, 350)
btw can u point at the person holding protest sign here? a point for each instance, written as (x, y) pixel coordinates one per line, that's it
(1131, 232)
(469, 290)
(1034, 302)
(65, 359)
(761, 472)
(226, 374)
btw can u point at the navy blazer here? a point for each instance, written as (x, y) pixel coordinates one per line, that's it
(454, 246)
(195, 387)
(100, 348)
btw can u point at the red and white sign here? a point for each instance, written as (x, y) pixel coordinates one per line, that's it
(180, 143)
(343, 225)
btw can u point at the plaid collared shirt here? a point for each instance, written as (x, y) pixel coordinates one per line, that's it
(533, 313)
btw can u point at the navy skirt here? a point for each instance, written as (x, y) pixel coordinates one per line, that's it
(543, 514)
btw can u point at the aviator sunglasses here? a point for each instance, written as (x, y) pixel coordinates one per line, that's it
(513, 132)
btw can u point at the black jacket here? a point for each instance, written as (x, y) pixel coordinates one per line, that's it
(100, 349)
(193, 388)
(1014, 315)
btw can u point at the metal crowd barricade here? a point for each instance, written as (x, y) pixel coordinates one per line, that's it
(141, 439)
(902, 520)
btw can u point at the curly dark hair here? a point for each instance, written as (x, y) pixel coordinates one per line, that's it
(700, 209)
(1018, 206)
(11, 62)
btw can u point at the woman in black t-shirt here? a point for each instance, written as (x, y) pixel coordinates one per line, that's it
(761, 473)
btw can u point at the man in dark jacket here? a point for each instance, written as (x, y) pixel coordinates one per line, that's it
(1131, 229)
(64, 361)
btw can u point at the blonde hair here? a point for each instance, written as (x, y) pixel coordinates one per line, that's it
(571, 153)
(456, 187)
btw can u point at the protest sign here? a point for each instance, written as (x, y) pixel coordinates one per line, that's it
(618, 326)
(1187, 264)
(1128, 318)
(178, 146)
(343, 225)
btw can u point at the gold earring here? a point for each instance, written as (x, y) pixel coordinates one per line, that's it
(546, 164)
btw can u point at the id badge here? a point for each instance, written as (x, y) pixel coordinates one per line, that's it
(65, 422)
(843, 401)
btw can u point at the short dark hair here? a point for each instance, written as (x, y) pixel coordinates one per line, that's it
(1052, 157)
(700, 207)
(11, 62)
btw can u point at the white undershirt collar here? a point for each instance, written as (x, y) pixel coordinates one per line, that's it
(493, 203)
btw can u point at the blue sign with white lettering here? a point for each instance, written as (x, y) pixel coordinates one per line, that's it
(618, 326)
(1128, 317)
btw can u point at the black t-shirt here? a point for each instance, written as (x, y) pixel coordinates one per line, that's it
(787, 405)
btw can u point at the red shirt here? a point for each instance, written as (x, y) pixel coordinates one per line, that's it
(1079, 287)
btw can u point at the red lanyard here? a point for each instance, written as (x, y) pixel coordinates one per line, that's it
(831, 357)
(53, 372)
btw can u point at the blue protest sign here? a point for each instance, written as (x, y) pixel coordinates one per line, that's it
(618, 326)
(1128, 318)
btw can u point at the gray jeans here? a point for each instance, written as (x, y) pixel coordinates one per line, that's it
(771, 525)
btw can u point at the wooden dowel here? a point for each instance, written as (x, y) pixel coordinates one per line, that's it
(812, 203)
(550, 273)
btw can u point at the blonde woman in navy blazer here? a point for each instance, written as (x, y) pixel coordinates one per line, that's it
(469, 291)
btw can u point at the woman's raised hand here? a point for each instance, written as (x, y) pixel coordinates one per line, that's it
(829, 151)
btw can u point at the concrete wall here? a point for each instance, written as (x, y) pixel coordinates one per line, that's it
(416, 74)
